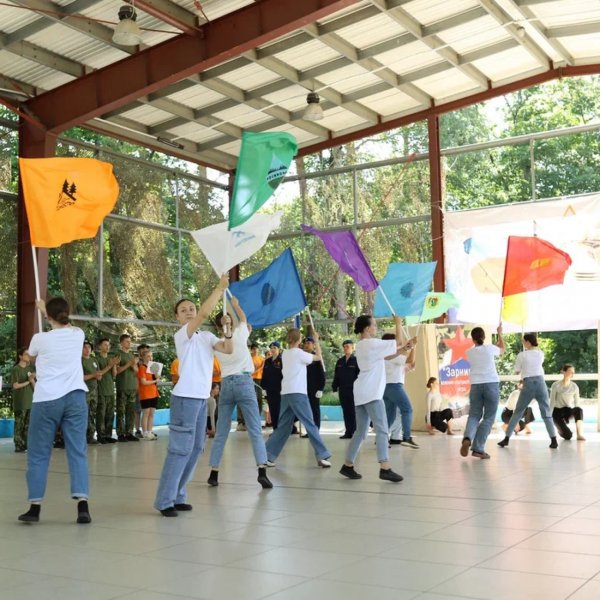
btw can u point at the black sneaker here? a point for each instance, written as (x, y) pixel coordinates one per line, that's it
(131, 438)
(553, 443)
(122, 438)
(389, 475)
(503, 443)
(83, 512)
(395, 442)
(183, 507)
(213, 478)
(262, 478)
(349, 472)
(410, 443)
(110, 440)
(169, 512)
(138, 434)
(345, 437)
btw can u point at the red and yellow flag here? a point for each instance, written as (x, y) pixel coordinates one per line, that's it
(532, 264)
(66, 198)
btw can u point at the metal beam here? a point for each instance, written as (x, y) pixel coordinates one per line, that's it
(152, 69)
(170, 13)
(437, 201)
(572, 30)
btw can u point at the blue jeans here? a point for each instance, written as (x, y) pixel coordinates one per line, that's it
(395, 397)
(295, 405)
(70, 413)
(372, 411)
(533, 388)
(483, 404)
(238, 390)
(187, 431)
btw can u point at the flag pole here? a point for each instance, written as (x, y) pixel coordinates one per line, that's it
(385, 298)
(312, 326)
(36, 277)
(504, 281)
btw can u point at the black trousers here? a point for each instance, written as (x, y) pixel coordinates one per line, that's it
(561, 417)
(274, 403)
(527, 417)
(315, 407)
(439, 419)
(349, 411)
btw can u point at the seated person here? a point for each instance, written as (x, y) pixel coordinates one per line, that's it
(509, 409)
(435, 417)
(564, 401)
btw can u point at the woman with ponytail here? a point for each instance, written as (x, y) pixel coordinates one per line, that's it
(58, 401)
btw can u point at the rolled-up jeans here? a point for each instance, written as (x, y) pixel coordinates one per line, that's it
(534, 388)
(238, 390)
(371, 411)
(395, 397)
(187, 432)
(483, 404)
(70, 413)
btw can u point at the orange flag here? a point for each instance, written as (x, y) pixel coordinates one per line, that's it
(66, 198)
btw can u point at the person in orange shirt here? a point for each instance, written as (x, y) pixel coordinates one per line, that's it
(216, 378)
(148, 392)
(175, 372)
(259, 362)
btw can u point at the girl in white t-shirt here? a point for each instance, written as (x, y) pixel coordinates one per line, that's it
(368, 395)
(187, 429)
(529, 365)
(58, 401)
(294, 400)
(237, 390)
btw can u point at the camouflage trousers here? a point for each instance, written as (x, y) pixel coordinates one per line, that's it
(105, 415)
(21, 428)
(92, 402)
(125, 411)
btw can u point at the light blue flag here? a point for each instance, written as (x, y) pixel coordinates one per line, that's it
(406, 285)
(273, 294)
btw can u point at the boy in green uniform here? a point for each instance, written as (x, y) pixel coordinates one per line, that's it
(126, 390)
(22, 378)
(107, 366)
(91, 376)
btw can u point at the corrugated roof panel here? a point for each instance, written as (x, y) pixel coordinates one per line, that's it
(292, 97)
(22, 69)
(371, 31)
(215, 8)
(474, 35)
(249, 77)
(308, 55)
(302, 136)
(200, 135)
(409, 58)
(340, 118)
(448, 83)
(53, 80)
(431, 11)
(390, 102)
(506, 64)
(584, 48)
(349, 79)
(566, 12)
(231, 147)
(15, 18)
(147, 115)
(104, 56)
(242, 116)
(197, 96)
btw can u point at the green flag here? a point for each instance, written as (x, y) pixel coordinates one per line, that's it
(436, 304)
(263, 163)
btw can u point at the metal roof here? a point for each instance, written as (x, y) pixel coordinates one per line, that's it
(373, 62)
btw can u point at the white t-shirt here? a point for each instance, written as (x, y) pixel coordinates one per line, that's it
(239, 361)
(434, 404)
(395, 369)
(58, 363)
(370, 355)
(294, 362)
(529, 363)
(196, 357)
(483, 367)
(564, 395)
(511, 403)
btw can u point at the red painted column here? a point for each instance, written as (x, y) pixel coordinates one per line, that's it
(34, 142)
(437, 201)
(234, 272)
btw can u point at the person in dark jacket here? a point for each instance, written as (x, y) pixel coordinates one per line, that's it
(346, 371)
(271, 382)
(315, 380)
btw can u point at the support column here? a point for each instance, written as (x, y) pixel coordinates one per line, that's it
(234, 272)
(34, 142)
(437, 223)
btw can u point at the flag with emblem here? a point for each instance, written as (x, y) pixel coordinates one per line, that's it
(406, 285)
(264, 161)
(532, 264)
(344, 249)
(66, 198)
(273, 294)
(224, 248)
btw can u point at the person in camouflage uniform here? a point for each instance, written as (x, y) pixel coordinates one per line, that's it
(91, 375)
(22, 378)
(126, 390)
(105, 413)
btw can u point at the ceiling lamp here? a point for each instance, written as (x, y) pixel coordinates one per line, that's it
(127, 31)
(313, 110)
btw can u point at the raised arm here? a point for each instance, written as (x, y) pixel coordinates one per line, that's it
(500, 340)
(238, 311)
(208, 306)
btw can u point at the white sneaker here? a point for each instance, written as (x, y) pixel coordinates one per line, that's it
(324, 463)
(270, 463)
(148, 437)
(154, 436)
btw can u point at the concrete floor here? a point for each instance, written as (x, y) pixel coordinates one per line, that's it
(523, 525)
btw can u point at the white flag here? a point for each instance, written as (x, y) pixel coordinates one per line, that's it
(225, 248)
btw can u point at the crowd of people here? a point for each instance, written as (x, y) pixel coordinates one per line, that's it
(66, 394)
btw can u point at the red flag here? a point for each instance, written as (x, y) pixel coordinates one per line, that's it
(532, 264)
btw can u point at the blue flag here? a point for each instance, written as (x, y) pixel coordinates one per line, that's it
(273, 294)
(406, 285)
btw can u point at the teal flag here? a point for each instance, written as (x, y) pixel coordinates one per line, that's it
(435, 305)
(264, 161)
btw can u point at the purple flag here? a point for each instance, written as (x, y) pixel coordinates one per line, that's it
(344, 249)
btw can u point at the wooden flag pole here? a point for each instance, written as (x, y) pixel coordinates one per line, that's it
(38, 294)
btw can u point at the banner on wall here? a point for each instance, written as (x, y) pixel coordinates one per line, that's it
(475, 245)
